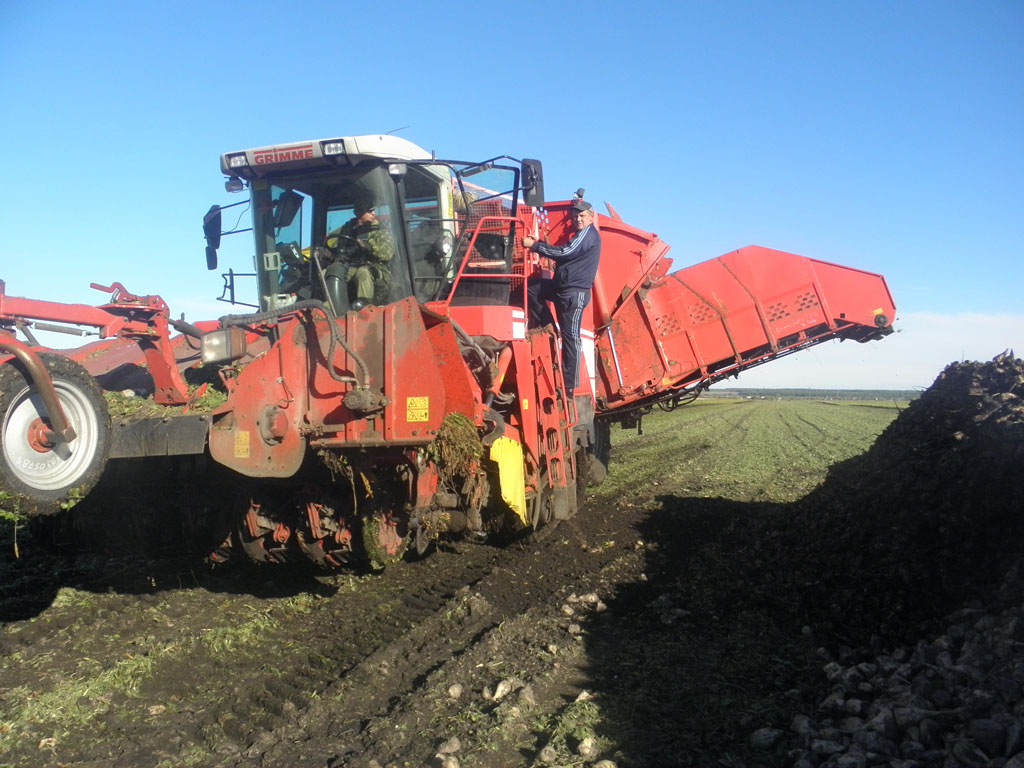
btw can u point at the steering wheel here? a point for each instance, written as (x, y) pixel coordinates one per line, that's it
(343, 244)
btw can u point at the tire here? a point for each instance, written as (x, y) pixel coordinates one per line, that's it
(600, 452)
(541, 512)
(41, 480)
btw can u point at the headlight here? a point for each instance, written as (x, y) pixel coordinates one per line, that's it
(332, 147)
(223, 345)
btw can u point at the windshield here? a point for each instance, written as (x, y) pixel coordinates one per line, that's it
(329, 236)
(380, 232)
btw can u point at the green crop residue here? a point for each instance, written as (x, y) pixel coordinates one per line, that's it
(203, 398)
(10, 509)
(457, 446)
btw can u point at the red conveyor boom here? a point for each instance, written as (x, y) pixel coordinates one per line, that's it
(674, 332)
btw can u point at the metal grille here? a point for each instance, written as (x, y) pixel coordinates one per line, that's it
(668, 325)
(777, 311)
(700, 313)
(801, 303)
(807, 300)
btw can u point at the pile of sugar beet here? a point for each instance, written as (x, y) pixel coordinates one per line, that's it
(906, 567)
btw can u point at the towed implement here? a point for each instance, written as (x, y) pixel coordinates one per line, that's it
(387, 387)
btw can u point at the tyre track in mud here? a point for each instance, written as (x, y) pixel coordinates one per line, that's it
(207, 705)
(328, 674)
(356, 715)
(344, 634)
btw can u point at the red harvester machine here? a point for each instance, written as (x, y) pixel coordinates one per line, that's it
(356, 428)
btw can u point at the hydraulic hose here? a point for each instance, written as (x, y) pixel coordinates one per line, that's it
(495, 418)
(336, 338)
(468, 341)
(185, 327)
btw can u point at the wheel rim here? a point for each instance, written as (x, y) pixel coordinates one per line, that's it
(56, 466)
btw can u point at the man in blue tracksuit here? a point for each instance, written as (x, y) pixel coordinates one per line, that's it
(575, 267)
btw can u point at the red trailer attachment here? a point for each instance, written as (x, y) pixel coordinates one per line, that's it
(145, 320)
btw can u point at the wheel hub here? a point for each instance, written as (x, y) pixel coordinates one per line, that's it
(38, 437)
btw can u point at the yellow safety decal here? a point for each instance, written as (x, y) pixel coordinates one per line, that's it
(877, 311)
(508, 455)
(526, 404)
(242, 450)
(417, 408)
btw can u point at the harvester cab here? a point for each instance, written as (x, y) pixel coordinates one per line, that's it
(368, 219)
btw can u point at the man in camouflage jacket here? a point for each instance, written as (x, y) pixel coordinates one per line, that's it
(369, 249)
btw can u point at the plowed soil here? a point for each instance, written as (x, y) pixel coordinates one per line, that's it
(684, 608)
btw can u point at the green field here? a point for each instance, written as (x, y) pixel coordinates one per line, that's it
(745, 450)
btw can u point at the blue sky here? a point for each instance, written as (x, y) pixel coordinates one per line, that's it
(882, 135)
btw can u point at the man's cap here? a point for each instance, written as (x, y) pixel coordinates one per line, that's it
(363, 206)
(579, 206)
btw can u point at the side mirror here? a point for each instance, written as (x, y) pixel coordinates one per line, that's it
(211, 226)
(533, 183)
(288, 205)
(211, 230)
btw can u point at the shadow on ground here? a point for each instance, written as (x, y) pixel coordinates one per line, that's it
(686, 665)
(148, 526)
(722, 637)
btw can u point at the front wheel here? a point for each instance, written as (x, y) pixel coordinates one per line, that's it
(40, 476)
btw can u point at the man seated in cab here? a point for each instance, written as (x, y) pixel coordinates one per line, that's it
(366, 249)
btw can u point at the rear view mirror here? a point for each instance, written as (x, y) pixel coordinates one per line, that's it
(212, 232)
(211, 227)
(533, 183)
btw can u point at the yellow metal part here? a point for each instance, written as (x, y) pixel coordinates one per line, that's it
(508, 455)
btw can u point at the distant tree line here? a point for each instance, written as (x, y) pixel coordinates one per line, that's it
(814, 394)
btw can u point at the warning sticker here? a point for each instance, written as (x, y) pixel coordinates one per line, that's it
(242, 445)
(417, 408)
